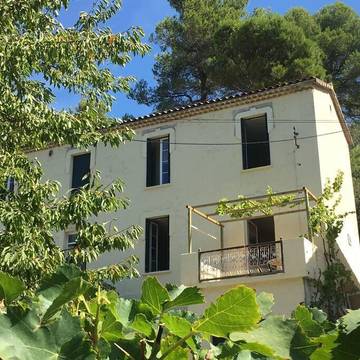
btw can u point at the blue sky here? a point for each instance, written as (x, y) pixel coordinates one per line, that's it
(147, 13)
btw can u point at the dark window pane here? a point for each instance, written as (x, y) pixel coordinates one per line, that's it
(157, 161)
(261, 230)
(255, 140)
(157, 244)
(71, 240)
(81, 171)
(153, 162)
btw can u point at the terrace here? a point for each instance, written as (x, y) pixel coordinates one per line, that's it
(253, 237)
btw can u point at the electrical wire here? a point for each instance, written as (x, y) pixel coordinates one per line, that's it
(274, 121)
(242, 143)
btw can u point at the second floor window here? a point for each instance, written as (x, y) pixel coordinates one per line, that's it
(255, 142)
(80, 171)
(158, 161)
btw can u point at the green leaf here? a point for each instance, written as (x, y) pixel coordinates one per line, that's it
(24, 338)
(183, 296)
(327, 344)
(318, 315)
(179, 327)
(266, 302)
(306, 321)
(10, 288)
(351, 321)
(111, 328)
(236, 310)
(276, 337)
(142, 325)
(73, 289)
(154, 294)
(179, 353)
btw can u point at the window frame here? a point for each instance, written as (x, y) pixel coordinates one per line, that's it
(162, 139)
(254, 112)
(148, 266)
(72, 244)
(72, 158)
(246, 230)
(244, 147)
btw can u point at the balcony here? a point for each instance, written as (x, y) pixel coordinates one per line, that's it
(261, 251)
(247, 260)
(291, 258)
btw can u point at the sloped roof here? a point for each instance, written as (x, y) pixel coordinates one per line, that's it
(240, 99)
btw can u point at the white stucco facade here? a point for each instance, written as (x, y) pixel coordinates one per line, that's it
(208, 173)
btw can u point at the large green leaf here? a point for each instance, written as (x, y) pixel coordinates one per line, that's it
(142, 325)
(179, 327)
(154, 295)
(183, 296)
(351, 321)
(236, 310)
(348, 346)
(266, 302)
(73, 289)
(276, 337)
(111, 328)
(327, 344)
(23, 337)
(10, 288)
(179, 353)
(305, 319)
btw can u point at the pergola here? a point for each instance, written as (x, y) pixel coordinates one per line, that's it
(222, 262)
(302, 196)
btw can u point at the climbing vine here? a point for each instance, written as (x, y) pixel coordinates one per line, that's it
(246, 207)
(326, 222)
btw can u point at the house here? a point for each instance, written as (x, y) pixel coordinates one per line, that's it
(291, 137)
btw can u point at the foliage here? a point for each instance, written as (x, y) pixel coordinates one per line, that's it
(246, 207)
(326, 222)
(219, 49)
(90, 323)
(39, 55)
(184, 69)
(355, 164)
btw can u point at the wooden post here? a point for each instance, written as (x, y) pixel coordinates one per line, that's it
(189, 229)
(221, 237)
(307, 205)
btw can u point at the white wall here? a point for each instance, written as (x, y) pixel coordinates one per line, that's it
(334, 154)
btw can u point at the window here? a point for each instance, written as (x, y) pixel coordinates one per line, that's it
(9, 187)
(71, 241)
(80, 171)
(157, 244)
(255, 142)
(261, 230)
(158, 161)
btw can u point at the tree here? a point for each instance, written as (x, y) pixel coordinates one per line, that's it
(220, 50)
(70, 319)
(265, 49)
(355, 164)
(339, 39)
(184, 68)
(39, 54)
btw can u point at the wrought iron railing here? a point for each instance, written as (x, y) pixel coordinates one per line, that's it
(259, 259)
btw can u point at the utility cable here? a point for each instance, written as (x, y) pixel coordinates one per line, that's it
(241, 143)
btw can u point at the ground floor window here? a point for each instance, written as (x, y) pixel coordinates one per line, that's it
(157, 244)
